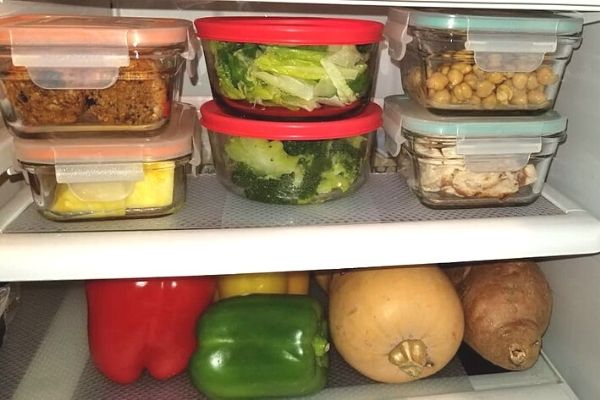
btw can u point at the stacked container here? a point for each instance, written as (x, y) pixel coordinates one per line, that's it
(478, 129)
(93, 103)
(292, 120)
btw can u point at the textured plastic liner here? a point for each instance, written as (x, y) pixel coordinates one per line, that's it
(385, 198)
(53, 311)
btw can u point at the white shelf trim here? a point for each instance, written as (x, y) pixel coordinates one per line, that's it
(89, 255)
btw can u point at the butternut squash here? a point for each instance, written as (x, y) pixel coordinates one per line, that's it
(507, 308)
(395, 324)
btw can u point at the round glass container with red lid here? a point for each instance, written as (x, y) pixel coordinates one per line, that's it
(291, 162)
(290, 68)
(88, 75)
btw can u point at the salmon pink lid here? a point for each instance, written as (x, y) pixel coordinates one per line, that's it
(217, 121)
(49, 30)
(289, 30)
(175, 141)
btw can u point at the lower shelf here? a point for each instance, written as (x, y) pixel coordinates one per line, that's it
(45, 356)
(217, 232)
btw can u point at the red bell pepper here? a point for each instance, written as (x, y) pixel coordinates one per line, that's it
(145, 323)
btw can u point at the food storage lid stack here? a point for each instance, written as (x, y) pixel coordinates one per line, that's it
(485, 143)
(86, 52)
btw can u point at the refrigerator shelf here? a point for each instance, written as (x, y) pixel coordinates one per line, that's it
(220, 233)
(47, 343)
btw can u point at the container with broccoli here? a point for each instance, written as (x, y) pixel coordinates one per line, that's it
(290, 68)
(291, 162)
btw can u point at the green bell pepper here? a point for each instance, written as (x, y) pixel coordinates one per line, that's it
(261, 345)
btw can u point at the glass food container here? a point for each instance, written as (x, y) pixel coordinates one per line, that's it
(90, 178)
(462, 162)
(291, 162)
(290, 69)
(73, 75)
(486, 62)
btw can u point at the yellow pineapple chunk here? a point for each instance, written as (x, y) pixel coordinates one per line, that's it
(113, 199)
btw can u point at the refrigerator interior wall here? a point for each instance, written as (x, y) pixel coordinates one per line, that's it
(572, 339)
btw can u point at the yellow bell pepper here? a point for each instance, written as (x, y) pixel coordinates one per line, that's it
(269, 282)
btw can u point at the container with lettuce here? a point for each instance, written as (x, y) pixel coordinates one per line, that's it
(303, 78)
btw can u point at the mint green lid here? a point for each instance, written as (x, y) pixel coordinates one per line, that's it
(417, 119)
(543, 22)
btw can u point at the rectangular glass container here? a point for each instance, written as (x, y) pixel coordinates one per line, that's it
(482, 62)
(110, 178)
(74, 76)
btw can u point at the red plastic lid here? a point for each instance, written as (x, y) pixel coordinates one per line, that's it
(287, 30)
(217, 121)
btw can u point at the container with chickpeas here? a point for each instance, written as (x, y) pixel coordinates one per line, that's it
(464, 162)
(488, 62)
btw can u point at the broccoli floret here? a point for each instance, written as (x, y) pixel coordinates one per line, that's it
(346, 157)
(313, 169)
(265, 157)
(304, 147)
(280, 190)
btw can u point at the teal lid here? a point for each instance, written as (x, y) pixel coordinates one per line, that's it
(417, 119)
(543, 22)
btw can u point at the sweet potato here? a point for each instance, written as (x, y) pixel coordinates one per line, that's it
(507, 307)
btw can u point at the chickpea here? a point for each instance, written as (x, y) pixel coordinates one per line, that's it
(437, 81)
(510, 75)
(471, 80)
(519, 98)
(546, 76)
(484, 89)
(489, 102)
(504, 94)
(475, 101)
(455, 77)
(445, 68)
(496, 77)
(536, 97)
(509, 83)
(464, 68)
(453, 99)
(478, 71)
(532, 82)
(519, 81)
(463, 92)
(442, 97)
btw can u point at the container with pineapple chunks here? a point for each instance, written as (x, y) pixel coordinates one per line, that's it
(93, 178)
